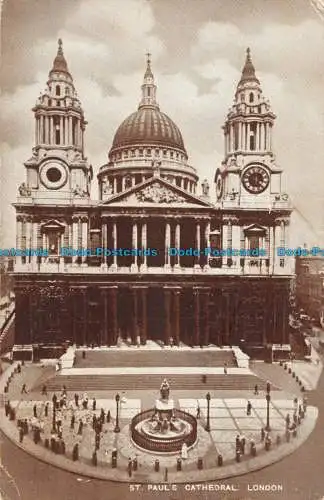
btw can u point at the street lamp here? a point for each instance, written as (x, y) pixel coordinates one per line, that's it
(54, 418)
(268, 398)
(208, 397)
(117, 428)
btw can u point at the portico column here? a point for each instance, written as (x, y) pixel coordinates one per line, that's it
(85, 305)
(114, 245)
(115, 185)
(19, 239)
(104, 243)
(84, 243)
(167, 303)
(104, 337)
(207, 241)
(74, 239)
(197, 317)
(134, 266)
(240, 136)
(197, 257)
(144, 244)
(114, 315)
(177, 244)
(176, 298)
(135, 315)
(144, 315)
(206, 317)
(167, 245)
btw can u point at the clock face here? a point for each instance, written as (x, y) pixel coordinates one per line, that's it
(219, 184)
(53, 174)
(255, 179)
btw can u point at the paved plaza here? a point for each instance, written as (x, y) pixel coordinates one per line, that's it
(228, 419)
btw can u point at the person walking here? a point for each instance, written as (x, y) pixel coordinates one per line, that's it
(23, 389)
(94, 404)
(198, 410)
(256, 389)
(44, 390)
(225, 368)
(248, 408)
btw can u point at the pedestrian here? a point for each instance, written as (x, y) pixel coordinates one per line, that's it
(23, 389)
(198, 410)
(225, 368)
(46, 409)
(35, 410)
(184, 451)
(94, 404)
(94, 421)
(129, 467)
(64, 391)
(7, 408)
(102, 416)
(80, 428)
(248, 408)
(108, 417)
(72, 422)
(262, 434)
(21, 434)
(287, 421)
(54, 400)
(44, 390)
(295, 417)
(76, 400)
(166, 475)
(256, 389)
(19, 368)
(237, 442)
(243, 442)
(25, 426)
(83, 354)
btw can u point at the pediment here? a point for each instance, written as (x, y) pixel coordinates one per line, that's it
(156, 191)
(52, 225)
(255, 229)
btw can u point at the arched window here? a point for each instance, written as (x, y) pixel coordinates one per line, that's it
(67, 91)
(57, 90)
(251, 97)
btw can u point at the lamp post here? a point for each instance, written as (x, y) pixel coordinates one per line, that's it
(208, 397)
(117, 399)
(54, 419)
(268, 398)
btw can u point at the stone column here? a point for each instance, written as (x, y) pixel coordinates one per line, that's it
(135, 315)
(84, 244)
(197, 316)
(167, 262)
(207, 242)
(61, 131)
(206, 316)
(240, 136)
(144, 245)
(19, 239)
(75, 242)
(114, 245)
(115, 185)
(144, 315)
(134, 266)
(198, 235)
(85, 316)
(177, 244)
(46, 130)
(104, 243)
(167, 305)
(176, 298)
(114, 315)
(70, 132)
(104, 336)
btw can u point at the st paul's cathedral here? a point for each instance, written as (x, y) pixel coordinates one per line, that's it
(109, 269)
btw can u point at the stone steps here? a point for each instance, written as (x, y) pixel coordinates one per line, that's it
(137, 357)
(126, 382)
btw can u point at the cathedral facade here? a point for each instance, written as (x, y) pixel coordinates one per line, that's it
(152, 258)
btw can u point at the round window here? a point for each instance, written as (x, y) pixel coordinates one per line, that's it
(53, 174)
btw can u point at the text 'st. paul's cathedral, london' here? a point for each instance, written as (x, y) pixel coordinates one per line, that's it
(112, 269)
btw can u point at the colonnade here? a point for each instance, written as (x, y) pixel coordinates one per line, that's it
(70, 130)
(237, 136)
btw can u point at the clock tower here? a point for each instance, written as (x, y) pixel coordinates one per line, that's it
(58, 169)
(52, 203)
(248, 183)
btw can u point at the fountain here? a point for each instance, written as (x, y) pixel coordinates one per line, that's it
(164, 428)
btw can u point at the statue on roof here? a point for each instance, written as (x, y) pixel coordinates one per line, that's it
(205, 187)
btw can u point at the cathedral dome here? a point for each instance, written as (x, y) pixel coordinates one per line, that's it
(148, 125)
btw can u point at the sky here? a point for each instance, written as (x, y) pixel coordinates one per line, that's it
(198, 51)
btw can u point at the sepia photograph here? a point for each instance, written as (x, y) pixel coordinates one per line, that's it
(162, 249)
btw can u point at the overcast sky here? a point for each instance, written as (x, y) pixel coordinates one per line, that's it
(198, 51)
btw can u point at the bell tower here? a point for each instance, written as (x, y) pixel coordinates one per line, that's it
(58, 168)
(248, 174)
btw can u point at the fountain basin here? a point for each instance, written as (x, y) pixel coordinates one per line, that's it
(147, 434)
